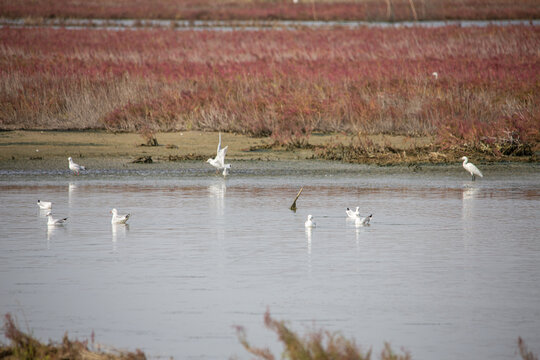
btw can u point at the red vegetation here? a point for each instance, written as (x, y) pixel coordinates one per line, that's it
(368, 10)
(284, 83)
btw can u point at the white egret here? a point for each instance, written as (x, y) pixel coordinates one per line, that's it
(473, 170)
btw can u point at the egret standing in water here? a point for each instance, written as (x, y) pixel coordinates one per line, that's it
(219, 161)
(473, 170)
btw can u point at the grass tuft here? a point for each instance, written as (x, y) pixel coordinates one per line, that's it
(25, 347)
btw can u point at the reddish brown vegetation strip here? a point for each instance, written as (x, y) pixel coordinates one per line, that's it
(280, 83)
(368, 10)
(24, 347)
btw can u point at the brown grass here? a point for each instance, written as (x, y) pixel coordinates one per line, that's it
(25, 347)
(317, 345)
(284, 84)
(325, 345)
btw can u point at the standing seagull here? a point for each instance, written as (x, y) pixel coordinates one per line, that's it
(473, 170)
(55, 222)
(44, 205)
(309, 222)
(353, 214)
(118, 219)
(219, 161)
(76, 168)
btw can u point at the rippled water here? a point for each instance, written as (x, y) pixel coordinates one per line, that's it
(448, 269)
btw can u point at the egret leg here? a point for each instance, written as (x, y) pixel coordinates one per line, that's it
(473, 178)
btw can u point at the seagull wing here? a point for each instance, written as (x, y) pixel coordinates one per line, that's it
(220, 158)
(219, 145)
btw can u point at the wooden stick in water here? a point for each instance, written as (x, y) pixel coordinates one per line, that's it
(293, 206)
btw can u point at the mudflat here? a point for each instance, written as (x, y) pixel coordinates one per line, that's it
(102, 149)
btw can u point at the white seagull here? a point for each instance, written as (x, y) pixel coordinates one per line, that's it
(44, 205)
(118, 219)
(55, 222)
(219, 161)
(309, 222)
(473, 170)
(353, 214)
(76, 168)
(360, 221)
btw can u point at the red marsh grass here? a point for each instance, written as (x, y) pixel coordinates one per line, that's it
(284, 84)
(367, 10)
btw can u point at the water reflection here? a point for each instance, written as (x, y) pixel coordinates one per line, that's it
(469, 192)
(217, 194)
(52, 232)
(308, 238)
(118, 231)
(72, 189)
(468, 196)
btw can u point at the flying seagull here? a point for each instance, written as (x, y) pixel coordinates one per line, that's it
(219, 161)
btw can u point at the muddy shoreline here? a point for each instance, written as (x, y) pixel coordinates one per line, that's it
(101, 149)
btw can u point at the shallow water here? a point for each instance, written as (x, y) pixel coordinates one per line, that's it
(448, 269)
(133, 24)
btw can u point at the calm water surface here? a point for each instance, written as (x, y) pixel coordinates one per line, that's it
(448, 269)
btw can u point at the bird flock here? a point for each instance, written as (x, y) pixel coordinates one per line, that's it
(219, 163)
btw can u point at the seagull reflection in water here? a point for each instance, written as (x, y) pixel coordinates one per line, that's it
(217, 194)
(309, 232)
(72, 188)
(118, 231)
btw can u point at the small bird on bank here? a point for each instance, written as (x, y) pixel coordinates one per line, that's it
(75, 168)
(309, 222)
(118, 219)
(219, 161)
(435, 75)
(44, 205)
(353, 214)
(360, 221)
(473, 170)
(55, 222)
